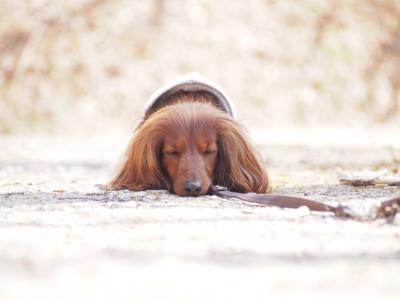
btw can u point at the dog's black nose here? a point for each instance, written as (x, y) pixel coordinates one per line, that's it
(192, 187)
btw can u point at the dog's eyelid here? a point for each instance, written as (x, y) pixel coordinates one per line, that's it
(172, 153)
(210, 151)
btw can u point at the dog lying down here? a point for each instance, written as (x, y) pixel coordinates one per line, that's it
(189, 142)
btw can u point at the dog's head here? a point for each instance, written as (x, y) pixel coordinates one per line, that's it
(185, 148)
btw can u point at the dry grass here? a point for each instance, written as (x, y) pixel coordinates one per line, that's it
(90, 65)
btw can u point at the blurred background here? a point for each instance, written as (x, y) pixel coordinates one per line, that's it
(89, 66)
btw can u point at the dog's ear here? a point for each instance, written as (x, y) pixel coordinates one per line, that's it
(142, 169)
(239, 166)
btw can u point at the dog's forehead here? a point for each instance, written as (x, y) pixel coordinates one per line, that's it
(202, 137)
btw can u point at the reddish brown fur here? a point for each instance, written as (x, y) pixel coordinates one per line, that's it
(191, 140)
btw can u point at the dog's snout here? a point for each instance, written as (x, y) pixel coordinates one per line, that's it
(192, 187)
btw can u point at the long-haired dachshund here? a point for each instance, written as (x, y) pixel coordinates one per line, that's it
(186, 146)
(189, 141)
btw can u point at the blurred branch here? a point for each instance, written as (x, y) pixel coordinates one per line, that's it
(27, 55)
(387, 56)
(158, 11)
(12, 45)
(324, 22)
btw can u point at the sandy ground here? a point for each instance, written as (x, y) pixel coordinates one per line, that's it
(63, 238)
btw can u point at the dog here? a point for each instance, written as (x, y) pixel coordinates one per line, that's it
(189, 141)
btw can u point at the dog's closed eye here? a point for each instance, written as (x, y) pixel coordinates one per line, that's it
(210, 151)
(171, 153)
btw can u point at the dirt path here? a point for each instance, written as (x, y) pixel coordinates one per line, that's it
(61, 237)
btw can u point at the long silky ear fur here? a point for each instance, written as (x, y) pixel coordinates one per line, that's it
(142, 167)
(239, 166)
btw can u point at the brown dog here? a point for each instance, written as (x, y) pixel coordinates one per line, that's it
(189, 145)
